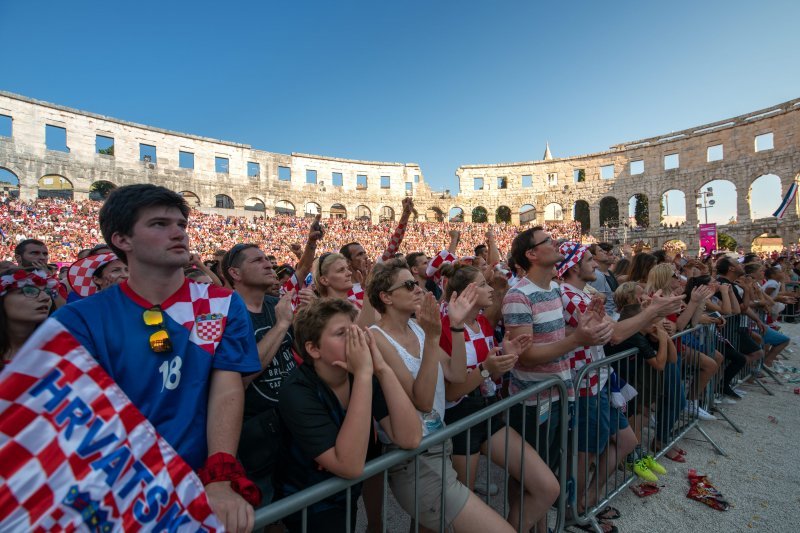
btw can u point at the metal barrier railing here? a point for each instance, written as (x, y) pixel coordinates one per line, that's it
(791, 313)
(657, 416)
(301, 501)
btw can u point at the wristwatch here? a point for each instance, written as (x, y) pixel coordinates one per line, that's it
(484, 373)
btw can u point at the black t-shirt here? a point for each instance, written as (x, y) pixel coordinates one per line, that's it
(736, 320)
(263, 391)
(613, 284)
(626, 367)
(312, 417)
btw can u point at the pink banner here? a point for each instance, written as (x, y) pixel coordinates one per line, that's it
(76, 454)
(708, 238)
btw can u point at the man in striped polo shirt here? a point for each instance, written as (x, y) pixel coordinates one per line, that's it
(533, 305)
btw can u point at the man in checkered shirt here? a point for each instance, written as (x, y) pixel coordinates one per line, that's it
(178, 349)
(602, 429)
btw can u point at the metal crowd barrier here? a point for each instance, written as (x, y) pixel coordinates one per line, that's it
(791, 313)
(658, 417)
(301, 501)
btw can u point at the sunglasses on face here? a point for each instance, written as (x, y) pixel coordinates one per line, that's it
(409, 284)
(159, 341)
(544, 241)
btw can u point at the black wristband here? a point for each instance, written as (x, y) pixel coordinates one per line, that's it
(457, 330)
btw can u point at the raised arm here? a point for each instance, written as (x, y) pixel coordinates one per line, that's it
(315, 234)
(494, 251)
(400, 230)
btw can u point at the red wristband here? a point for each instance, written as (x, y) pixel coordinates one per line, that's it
(224, 467)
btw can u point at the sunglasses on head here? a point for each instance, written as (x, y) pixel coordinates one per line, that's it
(322, 259)
(159, 341)
(409, 284)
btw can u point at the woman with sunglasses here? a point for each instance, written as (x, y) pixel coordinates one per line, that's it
(25, 302)
(485, 369)
(411, 348)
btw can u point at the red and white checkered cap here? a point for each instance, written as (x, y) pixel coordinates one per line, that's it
(81, 271)
(573, 253)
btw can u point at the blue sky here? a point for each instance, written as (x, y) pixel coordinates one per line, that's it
(439, 83)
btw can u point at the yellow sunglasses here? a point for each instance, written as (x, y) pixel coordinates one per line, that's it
(159, 341)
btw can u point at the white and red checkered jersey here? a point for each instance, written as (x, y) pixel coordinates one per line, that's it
(575, 303)
(78, 456)
(356, 295)
(394, 242)
(293, 286)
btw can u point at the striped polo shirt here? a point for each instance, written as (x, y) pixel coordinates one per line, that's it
(528, 304)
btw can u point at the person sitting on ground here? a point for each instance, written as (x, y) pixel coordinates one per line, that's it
(328, 405)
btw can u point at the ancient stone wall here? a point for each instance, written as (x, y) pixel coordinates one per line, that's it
(26, 155)
(553, 181)
(281, 179)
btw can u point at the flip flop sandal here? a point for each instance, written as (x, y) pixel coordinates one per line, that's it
(605, 526)
(678, 458)
(609, 513)
(680, 450)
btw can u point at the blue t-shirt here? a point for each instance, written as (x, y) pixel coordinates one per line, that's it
(209, 328)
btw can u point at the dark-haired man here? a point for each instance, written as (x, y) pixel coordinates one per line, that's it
(31, 253)
(178, 349)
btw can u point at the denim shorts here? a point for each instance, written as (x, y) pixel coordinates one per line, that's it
(597, 420)
(774, 338)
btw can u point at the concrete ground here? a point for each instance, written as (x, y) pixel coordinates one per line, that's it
(760, 476)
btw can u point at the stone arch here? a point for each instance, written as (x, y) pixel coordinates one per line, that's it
(255, 204)
(386, 214)
(9, 182)
(191, 198)
(764, 196)
(503, 215)
(527, 213)
(609, 212)
(767, 242)
(674, 246)
(338, 211)
(553, 212)
(285, 207)
(581, 213)
(480, 214)
(672, 208)
(363, 213)
(223, 201)
(55, 186)
(434, 214)
(456, 214)
(724, 196)
(638, 211)
(312, 209)
(99, 190)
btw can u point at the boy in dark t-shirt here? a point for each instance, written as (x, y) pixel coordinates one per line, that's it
(328, 406)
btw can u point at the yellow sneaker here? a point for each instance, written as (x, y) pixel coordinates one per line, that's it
(653, 465)
(640, 468)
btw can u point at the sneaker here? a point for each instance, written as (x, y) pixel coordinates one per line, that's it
(639, 467)
(717, 400)
(729, 401)
(653, 465)
(702, 414)
(730, 393)
(740, 392)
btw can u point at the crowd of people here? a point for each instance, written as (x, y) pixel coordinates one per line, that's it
(370, 337)
(68, 226)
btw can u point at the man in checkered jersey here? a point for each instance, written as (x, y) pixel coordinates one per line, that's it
(177, 349)
(602, 429)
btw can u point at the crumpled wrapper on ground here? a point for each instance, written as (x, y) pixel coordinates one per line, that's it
(645, 489)
(703, 491)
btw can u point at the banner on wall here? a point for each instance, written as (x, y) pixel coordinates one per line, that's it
(75, 454)
(708, 238)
